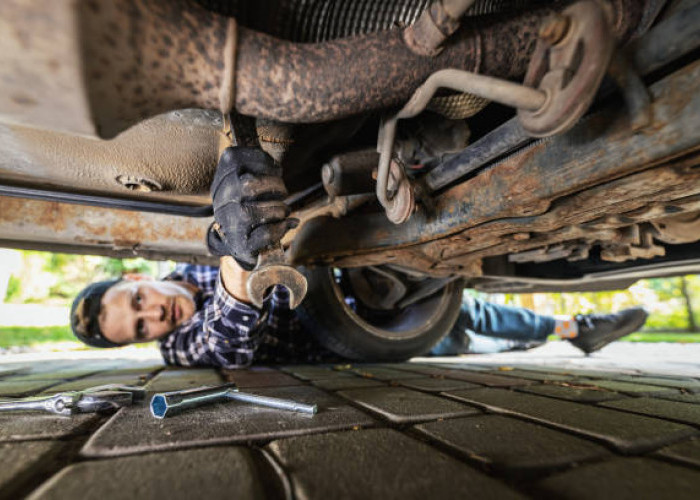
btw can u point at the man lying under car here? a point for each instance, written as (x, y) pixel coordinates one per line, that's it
(202, 315)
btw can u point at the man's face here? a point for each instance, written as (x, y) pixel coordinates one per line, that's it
(142, 311)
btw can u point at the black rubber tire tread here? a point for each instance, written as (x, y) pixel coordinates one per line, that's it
(326, 319)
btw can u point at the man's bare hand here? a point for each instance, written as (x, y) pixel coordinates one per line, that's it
(234, 278)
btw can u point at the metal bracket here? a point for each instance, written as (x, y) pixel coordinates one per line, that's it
(569, 63)
(570, 60)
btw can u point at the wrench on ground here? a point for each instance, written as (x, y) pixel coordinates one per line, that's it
(93, 400)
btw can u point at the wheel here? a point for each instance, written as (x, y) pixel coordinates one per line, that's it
(378, 314)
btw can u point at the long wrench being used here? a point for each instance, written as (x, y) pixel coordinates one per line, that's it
(271, 268)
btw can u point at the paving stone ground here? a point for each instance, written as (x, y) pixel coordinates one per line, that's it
(423, 429)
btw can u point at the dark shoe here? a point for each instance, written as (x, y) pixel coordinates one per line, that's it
(595, 331)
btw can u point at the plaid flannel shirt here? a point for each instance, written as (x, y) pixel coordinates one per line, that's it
(227, 333)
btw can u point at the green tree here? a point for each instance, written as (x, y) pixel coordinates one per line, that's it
(118, 267)
(688, 301)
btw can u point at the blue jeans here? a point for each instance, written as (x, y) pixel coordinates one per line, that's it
(483, 327)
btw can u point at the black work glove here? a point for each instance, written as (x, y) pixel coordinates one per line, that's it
(249, 210)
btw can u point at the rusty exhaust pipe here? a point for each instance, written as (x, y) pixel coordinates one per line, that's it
(133, 59)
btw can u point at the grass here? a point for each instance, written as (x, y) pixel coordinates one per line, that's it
(682, 338)
(673, 337)
(22, 336)
(11, 336)
(14, 336)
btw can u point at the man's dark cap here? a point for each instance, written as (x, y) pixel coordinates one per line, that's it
(84, 315)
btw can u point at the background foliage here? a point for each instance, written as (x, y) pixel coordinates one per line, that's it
(50, 281)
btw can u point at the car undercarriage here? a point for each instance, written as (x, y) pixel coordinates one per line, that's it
(508, 145)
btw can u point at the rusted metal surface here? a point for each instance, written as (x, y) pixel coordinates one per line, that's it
(177, 150)
(344, 77)
(40, 59)
(426, 36)
(28, 223)
(457, 107)
(496, 143)
(634, 91)
(669, 40)
(402, 202)
(568, 65)
(654, 50)
(597, 150)
(98, 67)
(317, 82)
(503, 91)
(336, 207)
(114, 202)
(145, 57)
(588, 217)
(632, 18)
(350, 173)
(680, 228)
(608, 215)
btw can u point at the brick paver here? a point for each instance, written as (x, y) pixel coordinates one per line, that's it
(29, 425)
(628, 433)
(683, 398)
(260, 378)
(400, 405)
(624, 478)
(209, 473)
(305, 372)
(146, 371)
(87, 382)
(6, 371)
(437, 384)
(487, 379)
(405, 430)
(229, 422)
(673, 410)
(26, 388)
(511, 445)
(635, 389)
(174, 380)
(379, 463)
(351, 382)
(57, 375)
(17, 461)
(581, 394)
(380, 373)
(677, 383)
(688, 452)
(538, 376)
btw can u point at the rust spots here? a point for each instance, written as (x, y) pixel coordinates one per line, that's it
(93, 5)
(136, 229)
(53, 65)
(23, 100)
(50, 217)
(136, 233)
(139, 52)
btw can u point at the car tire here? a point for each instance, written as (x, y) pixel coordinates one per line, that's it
(400, 334)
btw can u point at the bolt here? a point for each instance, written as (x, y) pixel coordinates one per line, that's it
(280, 404)
(554, 29)
(327, 175)
(138, 184)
